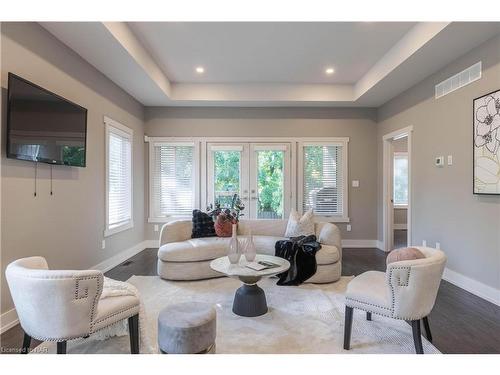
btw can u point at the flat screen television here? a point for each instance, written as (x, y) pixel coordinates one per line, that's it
(44, 127)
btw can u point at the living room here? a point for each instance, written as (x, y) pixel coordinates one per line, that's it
(250, 187)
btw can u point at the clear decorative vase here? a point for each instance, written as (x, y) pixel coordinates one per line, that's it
(234, 252)
(250, 251)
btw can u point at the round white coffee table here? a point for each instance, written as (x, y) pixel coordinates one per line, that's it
(249, 299)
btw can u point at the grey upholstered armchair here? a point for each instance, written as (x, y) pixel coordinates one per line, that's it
(63, 305)
(406, 291)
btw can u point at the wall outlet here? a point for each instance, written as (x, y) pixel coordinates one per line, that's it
(450, 159)
(424, 243)
(156, 227)
(103, 244)
(355, 183)
(438, 245)
(439, 161)
(349, 228)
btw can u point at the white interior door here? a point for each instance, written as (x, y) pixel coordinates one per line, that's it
(258, 172)
(270, 188)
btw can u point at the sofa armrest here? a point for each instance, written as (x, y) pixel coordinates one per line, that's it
(175, 231)
(329, 234)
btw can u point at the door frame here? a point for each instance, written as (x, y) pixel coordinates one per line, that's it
(387, 187)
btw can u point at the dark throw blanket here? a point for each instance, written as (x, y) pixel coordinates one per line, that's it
(301, 253)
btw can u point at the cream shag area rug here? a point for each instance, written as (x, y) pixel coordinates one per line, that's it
(304, 319)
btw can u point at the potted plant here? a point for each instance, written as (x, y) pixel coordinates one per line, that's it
(225, 217)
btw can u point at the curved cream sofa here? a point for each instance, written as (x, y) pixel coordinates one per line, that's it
(181, 257)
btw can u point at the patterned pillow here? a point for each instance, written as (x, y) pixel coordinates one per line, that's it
(300, 226)
(203, 225)
(405, 253)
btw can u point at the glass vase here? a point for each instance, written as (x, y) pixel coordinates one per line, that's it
(250, 251)
(234, 252)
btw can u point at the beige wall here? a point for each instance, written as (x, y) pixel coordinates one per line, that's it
(358, 124)
(444, 209)
(66, 228)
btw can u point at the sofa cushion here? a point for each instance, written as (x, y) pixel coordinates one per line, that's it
(203, 225)
(194, 250)
(199, 249)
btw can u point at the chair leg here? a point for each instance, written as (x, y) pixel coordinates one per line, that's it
(417, 336)
(368, 315)
(61, 347)
(26, 344)
(427, 329)
(133, 329)
(348, 327)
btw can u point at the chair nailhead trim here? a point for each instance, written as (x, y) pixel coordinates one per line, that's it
(110, 316)
(367, 303)
(391, 275)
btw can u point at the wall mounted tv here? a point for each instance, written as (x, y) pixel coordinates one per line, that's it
(44, 127)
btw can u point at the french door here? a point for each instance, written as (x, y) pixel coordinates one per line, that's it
(258, 172)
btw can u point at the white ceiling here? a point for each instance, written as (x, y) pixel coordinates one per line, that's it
(260, 52)
(269, 64)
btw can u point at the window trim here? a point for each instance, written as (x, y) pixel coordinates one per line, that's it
(396, 154)
(344, 143)
(296, 169)
(112, 126)
(153, 218)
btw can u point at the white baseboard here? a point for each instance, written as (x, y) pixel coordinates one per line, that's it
(9, 318)
(359, 243)
(120, 257)
(473, 286)
(400, 226)
(151, 244)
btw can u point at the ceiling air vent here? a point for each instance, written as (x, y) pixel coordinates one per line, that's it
(469, 75)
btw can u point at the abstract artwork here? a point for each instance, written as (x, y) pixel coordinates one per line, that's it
(486, 122)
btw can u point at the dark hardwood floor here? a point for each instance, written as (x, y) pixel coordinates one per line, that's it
(460, 321)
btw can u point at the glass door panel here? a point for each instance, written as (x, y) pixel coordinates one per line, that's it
(227, 166)
(269, 181)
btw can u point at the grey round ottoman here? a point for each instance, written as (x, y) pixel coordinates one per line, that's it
(187, 328)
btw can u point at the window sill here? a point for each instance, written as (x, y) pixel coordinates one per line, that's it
(401, 207)
(111, 231)
(167, 219)
(332, 219)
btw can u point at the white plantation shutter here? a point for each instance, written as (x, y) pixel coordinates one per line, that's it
(323, 185)
(173, 179)
(119, 177)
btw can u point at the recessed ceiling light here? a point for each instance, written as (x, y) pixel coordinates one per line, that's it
(200, 69)
(329, 70)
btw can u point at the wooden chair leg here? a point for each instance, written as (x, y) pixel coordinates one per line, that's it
(26, 344)
(417, 336)
(427, 329)
(348, 327)
(61, 347)
(368, 315)
(133, 329)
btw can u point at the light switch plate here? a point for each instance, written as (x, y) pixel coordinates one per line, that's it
(355, 183)
(424, 243)
(450, 159)
(349, 228)
(103, 244)
(438, 245)
(156, 227)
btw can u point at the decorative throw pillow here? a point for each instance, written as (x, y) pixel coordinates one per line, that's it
(406, 253)
(300, 226)
(203, 225)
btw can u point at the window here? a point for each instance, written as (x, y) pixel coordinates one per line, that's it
(323, 185)
(400, 189)
(118, 177)
(271, 175)
(173, 183)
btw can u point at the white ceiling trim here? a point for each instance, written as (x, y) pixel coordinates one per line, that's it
(114, 49)
(416, 38)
